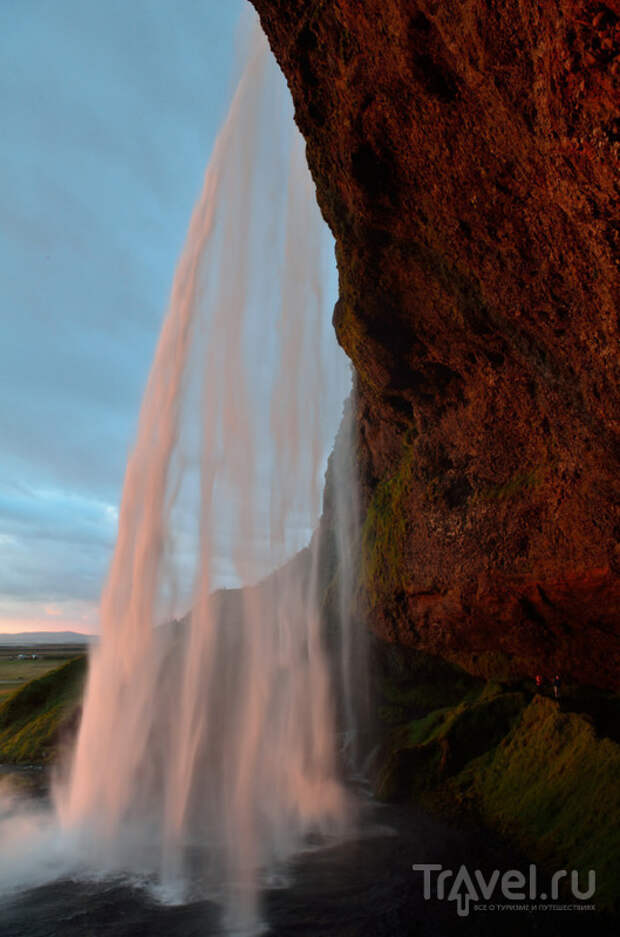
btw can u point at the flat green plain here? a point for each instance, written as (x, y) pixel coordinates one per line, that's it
(15, 673)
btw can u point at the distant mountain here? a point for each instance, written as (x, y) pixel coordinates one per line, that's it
(46, 637)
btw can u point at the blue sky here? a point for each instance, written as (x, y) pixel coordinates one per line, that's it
(109, 114)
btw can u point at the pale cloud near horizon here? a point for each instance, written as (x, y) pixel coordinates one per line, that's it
(109, 114)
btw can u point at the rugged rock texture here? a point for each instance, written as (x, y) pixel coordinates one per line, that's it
(464, 155)
(528, 767)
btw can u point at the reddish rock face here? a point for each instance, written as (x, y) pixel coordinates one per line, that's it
(464, 153)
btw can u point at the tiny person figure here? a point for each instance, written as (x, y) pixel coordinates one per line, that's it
(556, 686)
(539, 682)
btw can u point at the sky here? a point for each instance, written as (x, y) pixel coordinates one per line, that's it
(109, 114)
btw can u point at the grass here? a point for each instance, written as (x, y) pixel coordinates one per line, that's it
(536, 772)
(419, 682)
(447, 739)
(33, 719)
(16, 673)
(552, 787)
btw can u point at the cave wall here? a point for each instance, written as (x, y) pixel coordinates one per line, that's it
(465, 154)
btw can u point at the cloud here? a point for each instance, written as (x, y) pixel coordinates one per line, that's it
(109, 114)
(54, 545)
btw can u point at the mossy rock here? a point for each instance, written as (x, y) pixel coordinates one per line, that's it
(409, 771)
(412, 683)
(552, 787)
(422, 753)
(532, 769)
(384, 533)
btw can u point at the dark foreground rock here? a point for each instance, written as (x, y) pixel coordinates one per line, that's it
(539, 771)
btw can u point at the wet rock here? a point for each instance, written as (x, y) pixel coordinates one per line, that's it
(464, 159)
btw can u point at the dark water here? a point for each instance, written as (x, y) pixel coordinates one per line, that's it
(361, 888)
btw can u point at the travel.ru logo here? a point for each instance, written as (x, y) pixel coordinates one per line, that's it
(463, 887)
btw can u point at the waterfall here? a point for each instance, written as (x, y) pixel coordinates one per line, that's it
(207, 749)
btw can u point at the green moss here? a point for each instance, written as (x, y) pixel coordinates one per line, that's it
(33, 718)
(418, 683)
(353, 337)
(384, 533)
(426, 694)
(406, 772)
(523, 480)
(539, 776)
(552, 786)
(452, 736)
(426, 729)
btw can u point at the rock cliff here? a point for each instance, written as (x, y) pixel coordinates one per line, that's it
(465, 159)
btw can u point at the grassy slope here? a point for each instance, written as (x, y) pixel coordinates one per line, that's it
(33, 718)
(15, 674)
(537, 774)
(552, 786)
